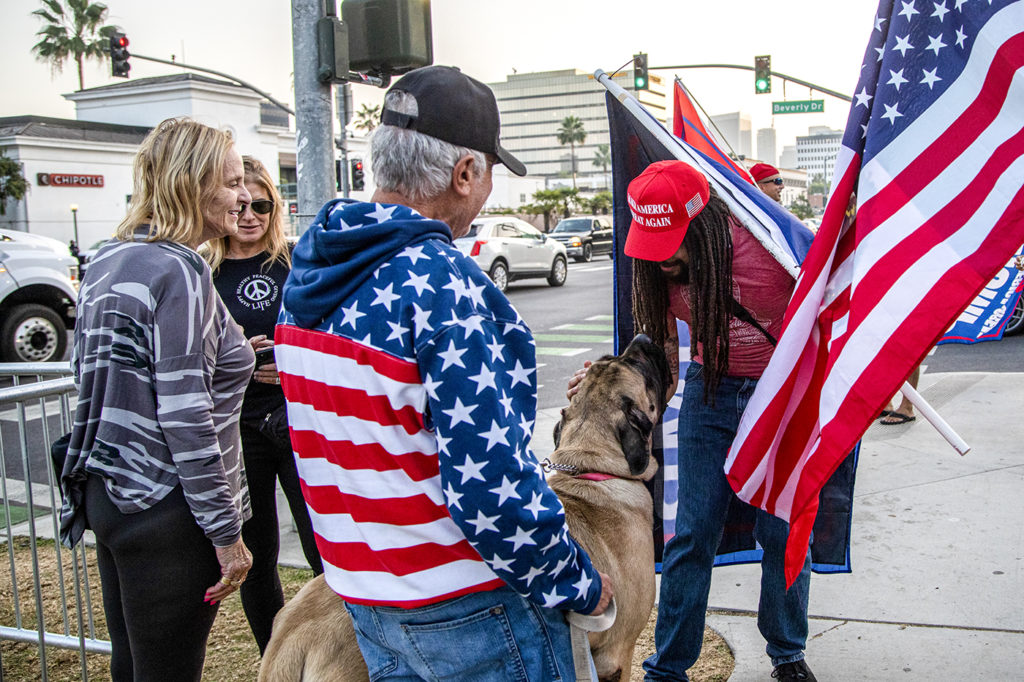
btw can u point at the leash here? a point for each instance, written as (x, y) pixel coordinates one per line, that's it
(579, 626)
(574, 471)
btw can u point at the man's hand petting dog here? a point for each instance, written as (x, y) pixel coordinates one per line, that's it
(607, 592)
(576, 379)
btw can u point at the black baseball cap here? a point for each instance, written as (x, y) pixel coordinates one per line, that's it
(455, 108)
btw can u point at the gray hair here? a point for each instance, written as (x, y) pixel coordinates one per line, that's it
(410, 163)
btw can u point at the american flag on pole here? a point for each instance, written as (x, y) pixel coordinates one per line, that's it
(927, 204)
(638, 139)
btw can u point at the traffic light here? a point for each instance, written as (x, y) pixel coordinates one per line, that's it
(357, 175)
(762, 74)
(119, 55)
(640, 79)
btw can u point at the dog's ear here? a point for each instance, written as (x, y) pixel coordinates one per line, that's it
(558, 429)
(634, 436)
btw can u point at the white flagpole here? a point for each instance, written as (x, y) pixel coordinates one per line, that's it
(671, 143)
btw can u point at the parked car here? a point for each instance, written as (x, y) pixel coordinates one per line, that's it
(1016, 324)
(38, 290)
(585, 236)
(508, 249)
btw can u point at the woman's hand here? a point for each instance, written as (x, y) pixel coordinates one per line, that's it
(576, 379)
(266, 373)
(235, 562)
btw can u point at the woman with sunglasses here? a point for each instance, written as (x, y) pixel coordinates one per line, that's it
(249, 271)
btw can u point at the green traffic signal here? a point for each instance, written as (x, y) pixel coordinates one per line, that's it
(762, 74)
(640, 77)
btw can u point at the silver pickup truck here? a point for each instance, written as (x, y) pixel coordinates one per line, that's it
(38, 290)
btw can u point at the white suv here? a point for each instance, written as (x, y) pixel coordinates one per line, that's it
(38, 290)
(508, 249)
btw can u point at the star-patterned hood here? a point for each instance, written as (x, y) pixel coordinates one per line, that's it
(344, 246)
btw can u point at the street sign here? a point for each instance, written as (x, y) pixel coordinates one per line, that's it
(805, 106)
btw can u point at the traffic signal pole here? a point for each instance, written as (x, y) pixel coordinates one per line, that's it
(798, 81)
(314, 125)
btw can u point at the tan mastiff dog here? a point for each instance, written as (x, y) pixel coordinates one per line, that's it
(601, 460)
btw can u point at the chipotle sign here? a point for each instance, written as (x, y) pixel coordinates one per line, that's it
(68, 180)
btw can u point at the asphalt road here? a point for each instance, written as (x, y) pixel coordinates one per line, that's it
(570, 324)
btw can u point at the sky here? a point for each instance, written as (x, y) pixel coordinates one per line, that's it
(820, 41)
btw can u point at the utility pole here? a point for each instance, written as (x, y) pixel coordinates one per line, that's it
(314, 130)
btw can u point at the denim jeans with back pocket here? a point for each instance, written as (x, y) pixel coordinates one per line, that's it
(494, 636)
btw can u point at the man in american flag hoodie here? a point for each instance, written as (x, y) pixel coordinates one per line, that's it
(411, 389)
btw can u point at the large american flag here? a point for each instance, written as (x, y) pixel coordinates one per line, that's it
(926, 207)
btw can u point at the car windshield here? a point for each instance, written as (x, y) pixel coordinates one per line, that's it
(474, 229)
(573, 225)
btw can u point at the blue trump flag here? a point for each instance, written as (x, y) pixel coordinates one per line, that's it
(637, 140)
(986, 317)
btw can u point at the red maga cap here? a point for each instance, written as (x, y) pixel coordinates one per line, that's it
(663, 200)
(763, 171)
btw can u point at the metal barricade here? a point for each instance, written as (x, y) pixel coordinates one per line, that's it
(41, 409)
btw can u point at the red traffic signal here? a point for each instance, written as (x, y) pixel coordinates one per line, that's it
(119, 55)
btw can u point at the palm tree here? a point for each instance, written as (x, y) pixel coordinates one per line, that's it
(603, 159)
(72, 31)
(367, 118)
(571, 132)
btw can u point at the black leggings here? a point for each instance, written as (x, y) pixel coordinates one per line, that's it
(155, 567)
(265, 464)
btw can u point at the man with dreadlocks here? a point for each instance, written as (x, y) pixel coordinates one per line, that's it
(695, 262)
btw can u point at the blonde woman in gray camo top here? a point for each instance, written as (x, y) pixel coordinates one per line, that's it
(153, 468)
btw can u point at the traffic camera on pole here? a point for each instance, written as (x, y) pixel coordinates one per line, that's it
(640, 79)
(762, 74)
(119, 55)
(358, 183)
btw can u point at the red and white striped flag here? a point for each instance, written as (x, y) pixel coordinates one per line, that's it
(927, 204)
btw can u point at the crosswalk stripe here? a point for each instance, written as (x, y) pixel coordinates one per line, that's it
(585, 327)
(592, 318)
(565, 352)
(574, 338)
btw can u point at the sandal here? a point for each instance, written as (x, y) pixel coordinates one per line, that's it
(884, 413)
(897, 418)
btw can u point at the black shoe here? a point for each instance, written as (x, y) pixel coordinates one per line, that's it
(797, 671)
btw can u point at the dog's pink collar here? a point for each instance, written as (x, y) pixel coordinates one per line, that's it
(594, 476)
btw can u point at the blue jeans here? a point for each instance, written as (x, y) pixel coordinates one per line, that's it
(484, 636)
(705, 434)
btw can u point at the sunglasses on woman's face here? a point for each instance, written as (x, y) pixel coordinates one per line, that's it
(262, 206)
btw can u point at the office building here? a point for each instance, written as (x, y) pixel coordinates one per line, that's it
(816, 152)
(533, 106)
(766, 146)
(735, 128)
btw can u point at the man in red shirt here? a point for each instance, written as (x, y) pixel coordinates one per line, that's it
(695, 262)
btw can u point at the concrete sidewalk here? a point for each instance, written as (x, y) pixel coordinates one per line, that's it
(937, 589)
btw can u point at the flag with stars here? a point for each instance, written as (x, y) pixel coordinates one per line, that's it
(926, 206)
(411, 388)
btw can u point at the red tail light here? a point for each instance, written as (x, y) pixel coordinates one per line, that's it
(476, 247)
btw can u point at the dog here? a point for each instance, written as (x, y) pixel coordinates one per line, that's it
(601, 460)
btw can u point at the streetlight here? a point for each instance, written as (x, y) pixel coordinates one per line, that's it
(74, 219)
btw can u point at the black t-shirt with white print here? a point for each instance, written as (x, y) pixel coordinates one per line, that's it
(252, 292)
